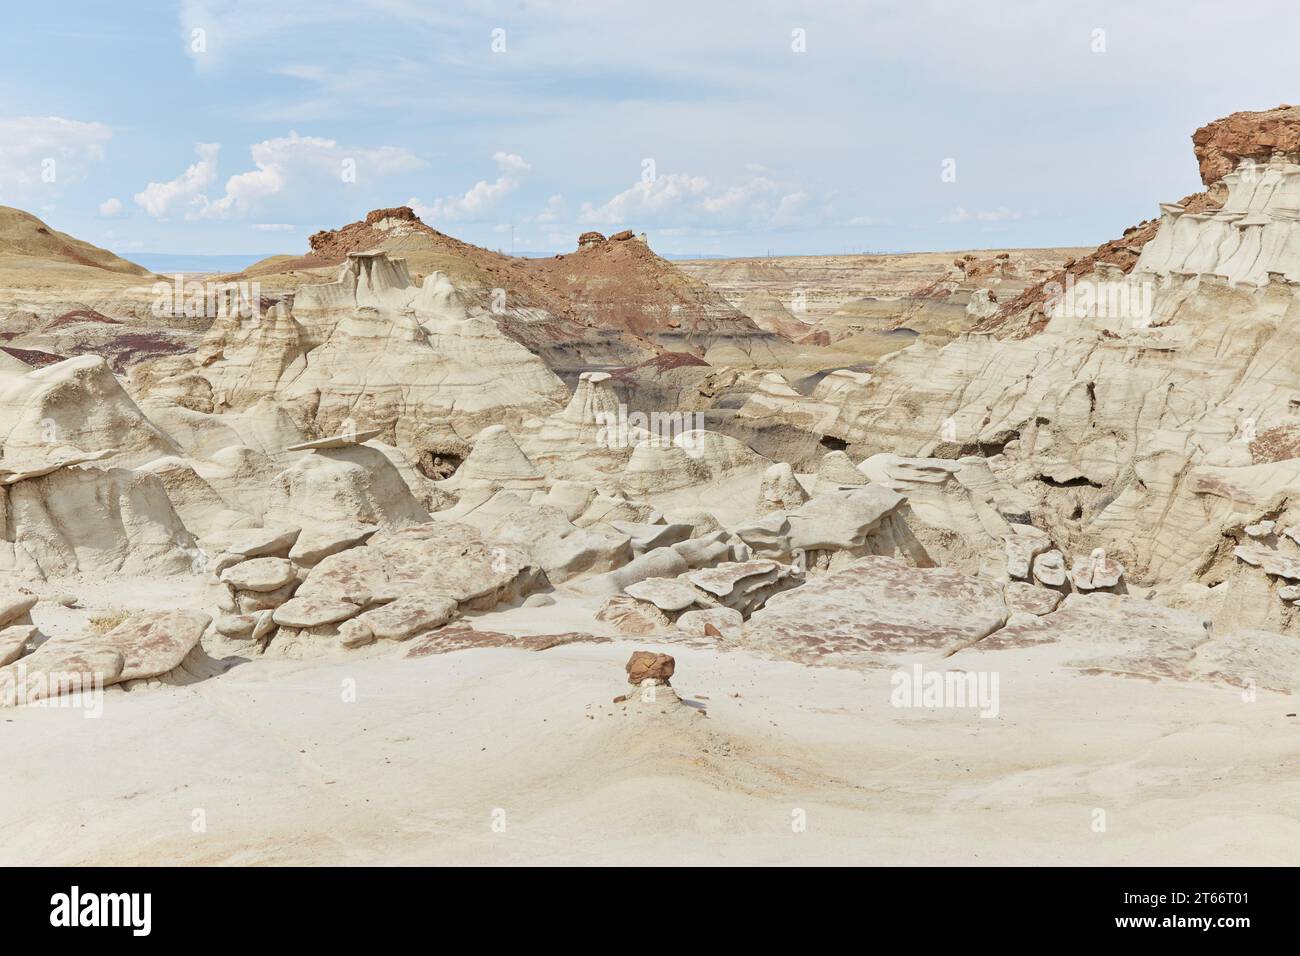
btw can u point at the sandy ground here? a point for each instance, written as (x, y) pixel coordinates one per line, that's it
(500, 756)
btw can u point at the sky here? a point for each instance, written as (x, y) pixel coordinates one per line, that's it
(721, 128)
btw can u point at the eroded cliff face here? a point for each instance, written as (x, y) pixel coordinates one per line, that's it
(1222, 145)
(1155, 410)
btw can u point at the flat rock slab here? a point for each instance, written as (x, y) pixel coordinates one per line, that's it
(721, 579)
(667, 594)
(338, 441)
(647, 537)
(453, 559)
(316, 544)
(460, 637)
(1024, 597)
(153, 642)
(874, 608)
(12, 476)
(1049, 568)
(56, 668)
(1251, 659)
(358, 576)
(311, 612)
(409, 616)
(14, 605)
(13, 641)
(839, 521)
(1112, 633)
(260, 574)
(252, 542)
(1268, 560)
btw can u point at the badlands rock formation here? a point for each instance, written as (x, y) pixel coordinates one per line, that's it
(377, 470)
(1130, 429)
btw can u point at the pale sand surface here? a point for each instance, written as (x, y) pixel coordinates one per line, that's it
(417, 768)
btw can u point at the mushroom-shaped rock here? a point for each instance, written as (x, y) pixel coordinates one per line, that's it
(594, 401)
(646, 665)
(341, 440)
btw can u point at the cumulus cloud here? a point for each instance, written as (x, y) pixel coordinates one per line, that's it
(157, 198)
(110, 208)
(479, 199)
(40, 152)
(554, 210)
(960, 215)
(682, 199)
(274, 226)
(285, 169)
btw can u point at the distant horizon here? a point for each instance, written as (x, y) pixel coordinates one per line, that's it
(162, 262)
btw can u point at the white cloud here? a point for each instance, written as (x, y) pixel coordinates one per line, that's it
(480, 198)
(110, 208)
(274, 226)
(157, 198)
(288, 171)
(683, 199)
(554, 210)
(39, 153)
(961, 214)
(647, 199)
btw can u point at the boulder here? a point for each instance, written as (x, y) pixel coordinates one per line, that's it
(646, 665)
(632, 617)
(260, 574)
(312, 612)
(780, 490)
(667, 594)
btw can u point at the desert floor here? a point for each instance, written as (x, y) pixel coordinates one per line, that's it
(510, 756)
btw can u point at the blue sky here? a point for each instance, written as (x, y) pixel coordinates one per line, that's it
(229, 126)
